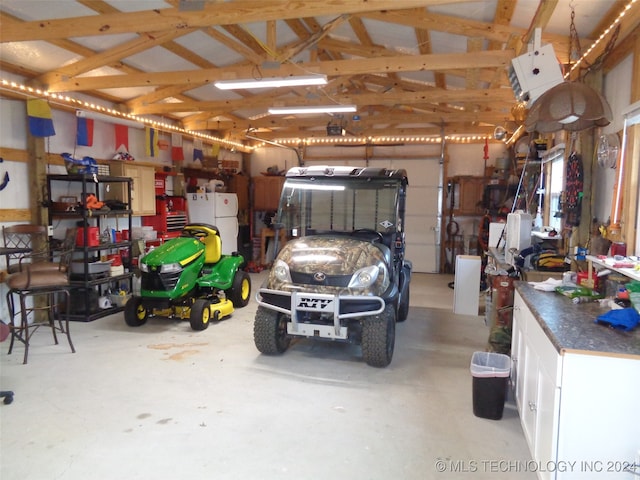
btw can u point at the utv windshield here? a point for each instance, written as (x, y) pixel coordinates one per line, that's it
(322, 205)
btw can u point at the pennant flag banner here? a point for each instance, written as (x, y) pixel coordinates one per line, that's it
(215, 150)
(122, 138)
(163, 143)
(198, 154)
(150, 136)
(40, 121)
(84, 135)
(177, 153)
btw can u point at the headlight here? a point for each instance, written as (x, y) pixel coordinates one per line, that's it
(365, 277)
(144, 267)
(281, 271)
(170, 268)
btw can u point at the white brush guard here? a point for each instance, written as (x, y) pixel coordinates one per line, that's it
(326, 304)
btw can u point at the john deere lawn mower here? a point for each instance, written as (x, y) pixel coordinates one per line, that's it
(189, 277)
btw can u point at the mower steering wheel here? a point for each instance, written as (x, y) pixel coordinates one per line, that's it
(192, 232)
(199, 231)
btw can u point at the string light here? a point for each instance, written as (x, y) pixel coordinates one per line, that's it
(75, 103)
(380, 141)
(310, 141)
(600, 38)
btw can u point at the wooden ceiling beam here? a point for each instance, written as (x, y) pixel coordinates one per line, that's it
(423, 36)
(405, 63)
(362, 34)
(272, 35)
(380, 132)
(248, 41)
(495, 96)
(540, 20)
(368, 121)
(213, 13)
(621, 50)
(158, 95)
(70, 46)
(238, 47)
(474, 45)
(112, 57)
(107, 57)
(628, 27)
(303, 30)
(312, 39)
(367, 50)
(503, 16)
(459, 26)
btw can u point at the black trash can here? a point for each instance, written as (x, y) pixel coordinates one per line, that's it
(490, 373)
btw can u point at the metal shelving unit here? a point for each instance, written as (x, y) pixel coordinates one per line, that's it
(91, 286)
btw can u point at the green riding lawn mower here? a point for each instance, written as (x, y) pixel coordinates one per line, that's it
(188, 277)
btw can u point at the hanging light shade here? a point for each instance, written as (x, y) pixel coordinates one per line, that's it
(571, 106)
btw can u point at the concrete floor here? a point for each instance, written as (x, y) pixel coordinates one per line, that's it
(165, 402)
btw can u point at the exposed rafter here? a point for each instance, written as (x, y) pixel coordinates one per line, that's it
(407, 65)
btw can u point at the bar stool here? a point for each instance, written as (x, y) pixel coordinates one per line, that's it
(39, 286)
(21, 239)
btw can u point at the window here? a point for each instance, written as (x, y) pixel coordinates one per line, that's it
(553, 171)
(556, 184)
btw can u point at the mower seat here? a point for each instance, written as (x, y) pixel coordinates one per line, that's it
(212, 248)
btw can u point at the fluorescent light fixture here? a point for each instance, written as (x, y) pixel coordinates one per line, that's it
(271, 82)
(313, 109)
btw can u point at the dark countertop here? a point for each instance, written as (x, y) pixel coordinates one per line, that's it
(572, 326)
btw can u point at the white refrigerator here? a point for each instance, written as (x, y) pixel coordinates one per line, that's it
(219, 210)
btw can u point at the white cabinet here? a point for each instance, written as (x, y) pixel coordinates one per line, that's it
(517, 349)
(546, 405)
(600, 418)
(536, 383)
(579, 409)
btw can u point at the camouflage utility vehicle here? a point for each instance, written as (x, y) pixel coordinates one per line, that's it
(343, 275)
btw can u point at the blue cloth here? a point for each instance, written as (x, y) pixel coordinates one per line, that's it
(624, 319)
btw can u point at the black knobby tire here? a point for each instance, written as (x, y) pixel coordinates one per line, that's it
(379, 337)
(240, 291)
(200, 314)
(270, 331)
(135, 314)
